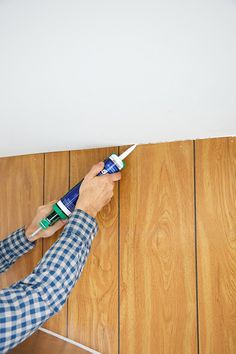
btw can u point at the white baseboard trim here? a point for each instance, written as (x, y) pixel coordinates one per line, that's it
(69, 340)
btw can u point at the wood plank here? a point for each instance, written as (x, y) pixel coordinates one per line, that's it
(216, 235)
(93, 304)
(21, 191)
(56, 184)
(44, 343)
(157, 274)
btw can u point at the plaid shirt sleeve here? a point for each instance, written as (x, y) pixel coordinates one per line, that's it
(27, 304)
(13, 247)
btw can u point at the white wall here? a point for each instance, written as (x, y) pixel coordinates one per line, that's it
(86, 73)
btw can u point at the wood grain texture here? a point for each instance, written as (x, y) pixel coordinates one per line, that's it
(93, 304)
(21, 191)
(56, 184)
(157, 273)
(43, 343)
(216, 236)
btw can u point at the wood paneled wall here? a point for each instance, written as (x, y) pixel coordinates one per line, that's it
(161, 275)
(21, 192)
(93, 304)
(56, 184)
(158, 308)
(216, 240)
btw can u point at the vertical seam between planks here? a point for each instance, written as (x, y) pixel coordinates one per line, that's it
(118, 261)
(195, 241)
(44, 183)
(67, 302)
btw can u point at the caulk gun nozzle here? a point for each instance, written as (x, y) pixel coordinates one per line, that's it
(127, 152)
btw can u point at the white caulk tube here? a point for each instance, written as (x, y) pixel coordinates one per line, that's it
(64, 207)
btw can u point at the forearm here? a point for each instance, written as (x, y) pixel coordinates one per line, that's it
(57, 272)
(13, 247)
(31, 301)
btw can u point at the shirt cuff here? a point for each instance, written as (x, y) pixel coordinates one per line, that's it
(82, 224)
(16, 244)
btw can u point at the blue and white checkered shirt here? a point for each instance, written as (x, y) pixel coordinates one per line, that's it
(27, 304)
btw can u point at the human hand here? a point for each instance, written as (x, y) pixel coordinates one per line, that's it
(96, 191)
(43, 211)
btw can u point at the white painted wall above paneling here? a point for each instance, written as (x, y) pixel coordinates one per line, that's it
(85, 73)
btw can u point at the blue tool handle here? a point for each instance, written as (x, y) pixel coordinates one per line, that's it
(71, 197)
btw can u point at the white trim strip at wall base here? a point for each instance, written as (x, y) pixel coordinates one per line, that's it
(69, 340)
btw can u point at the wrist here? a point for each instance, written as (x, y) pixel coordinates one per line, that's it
(88, 209)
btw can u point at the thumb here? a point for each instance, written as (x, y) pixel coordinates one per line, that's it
(43, 210)
(95, 169)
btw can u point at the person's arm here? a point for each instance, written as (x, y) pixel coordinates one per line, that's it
(17, 243)
(27, 304)
(13, 247)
